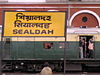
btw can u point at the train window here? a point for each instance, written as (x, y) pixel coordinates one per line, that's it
(84, 19)
(48, 45)
(61, 45)
(8, 40)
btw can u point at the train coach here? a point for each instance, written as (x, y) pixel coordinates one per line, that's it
(28, 53)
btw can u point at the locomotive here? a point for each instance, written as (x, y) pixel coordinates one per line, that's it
(25, 53)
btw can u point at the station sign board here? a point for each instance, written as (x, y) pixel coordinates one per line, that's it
(17, 23)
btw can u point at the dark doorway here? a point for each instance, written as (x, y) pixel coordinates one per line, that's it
(86, 39)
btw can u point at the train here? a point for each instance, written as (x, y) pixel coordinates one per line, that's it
(29, 53)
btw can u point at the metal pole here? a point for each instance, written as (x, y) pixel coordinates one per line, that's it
(1, 53)
(65, 54)
(65, 48)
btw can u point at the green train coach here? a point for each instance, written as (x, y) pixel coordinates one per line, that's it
(30, 53)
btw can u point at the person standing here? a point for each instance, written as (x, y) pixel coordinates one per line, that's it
(81, 44)
(91, 48)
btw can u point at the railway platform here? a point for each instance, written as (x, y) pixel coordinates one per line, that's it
(82, 73)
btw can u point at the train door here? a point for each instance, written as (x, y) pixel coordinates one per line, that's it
(85, 45)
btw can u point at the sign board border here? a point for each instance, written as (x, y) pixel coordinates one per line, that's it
(65, 29)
